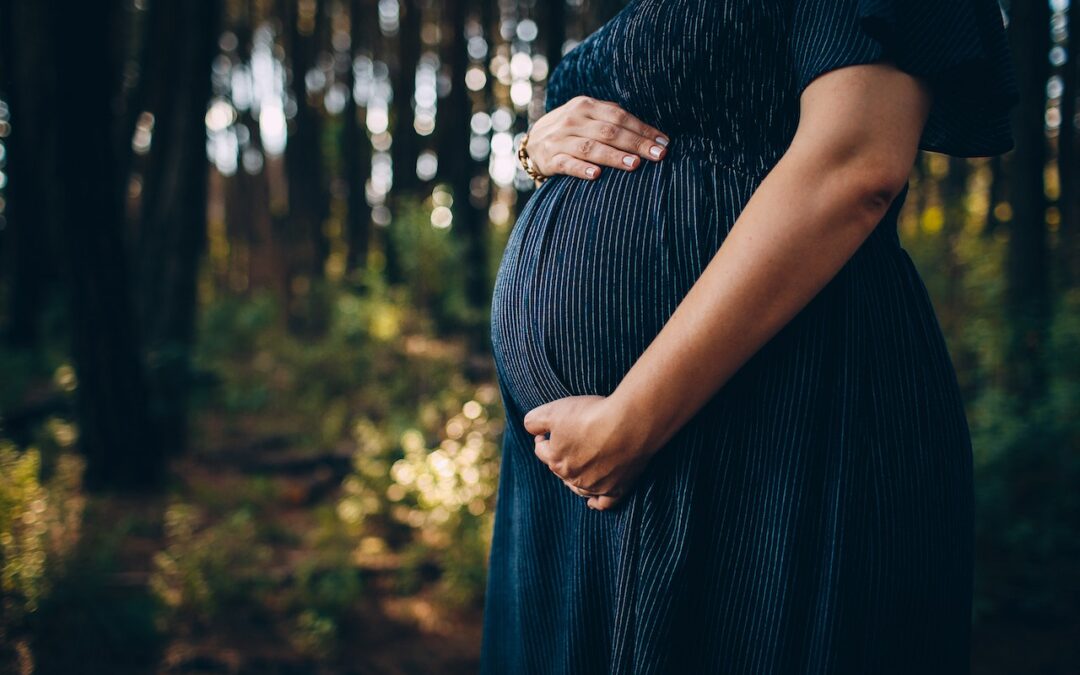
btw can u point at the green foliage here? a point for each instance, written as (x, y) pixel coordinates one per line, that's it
(207, 567)
(1027, 453)
(426, 464)
(91, 621)
(325, 587)
(431, 259)
(41, 512)
(1029, 467)
(39, 524)
(441, 493)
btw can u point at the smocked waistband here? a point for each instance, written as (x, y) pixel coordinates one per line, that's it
(715, 152)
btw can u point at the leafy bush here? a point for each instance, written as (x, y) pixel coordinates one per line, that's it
(206, 567)
(40, 523)
(442, 493)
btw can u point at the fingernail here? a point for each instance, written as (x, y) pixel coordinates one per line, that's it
(591, 172)
(661, 140)
(655, 151)
(628, 160)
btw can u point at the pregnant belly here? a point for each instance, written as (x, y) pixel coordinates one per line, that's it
(593, 269)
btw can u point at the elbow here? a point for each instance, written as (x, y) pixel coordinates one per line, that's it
(859, 173)
(872, 184)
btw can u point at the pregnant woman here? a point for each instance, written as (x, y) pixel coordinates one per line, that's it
(735, 441)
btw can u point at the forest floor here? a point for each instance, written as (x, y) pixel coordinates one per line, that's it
(248, 624)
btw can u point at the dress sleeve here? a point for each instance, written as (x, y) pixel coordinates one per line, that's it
(958, 46)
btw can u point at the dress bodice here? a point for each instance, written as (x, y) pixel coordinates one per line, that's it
(729, 73)
(718, 70)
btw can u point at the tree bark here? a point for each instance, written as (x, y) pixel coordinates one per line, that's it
(470, 218)
(308, 196)
(1028, 283)
(26, 257)
(555, 33)
(404, 149)
(357, 149)
(89, 194)
(1068, 172)
(172, 231)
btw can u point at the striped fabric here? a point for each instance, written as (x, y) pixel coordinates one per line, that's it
(816, 515)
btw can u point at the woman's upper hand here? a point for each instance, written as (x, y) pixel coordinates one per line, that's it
(586, 133)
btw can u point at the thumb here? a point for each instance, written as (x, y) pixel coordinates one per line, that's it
(537, 420)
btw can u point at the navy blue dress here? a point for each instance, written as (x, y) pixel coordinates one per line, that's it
(816, 516)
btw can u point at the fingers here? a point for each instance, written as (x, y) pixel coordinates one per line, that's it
(597, 152)
(603, 502)
(594, 133)
(622, 140)
(581, 492)
(607, 111)
(545, 452)
(572, 166)
(542, 449)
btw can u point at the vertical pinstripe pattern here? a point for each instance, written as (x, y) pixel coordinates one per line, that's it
(816, 515)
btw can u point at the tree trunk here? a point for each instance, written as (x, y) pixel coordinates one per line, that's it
(362, 13)
(1000, 173)
(470, 218)
(1028, 287)
(172, 232)
(404, 149)
(954, 193)
(90, 194)
(1069, 173)
(25, 255)
(555, 32)
(308, 197)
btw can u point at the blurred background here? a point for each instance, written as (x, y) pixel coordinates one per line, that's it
(248, 414)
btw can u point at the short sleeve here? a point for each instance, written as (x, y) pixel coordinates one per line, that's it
(958, 46)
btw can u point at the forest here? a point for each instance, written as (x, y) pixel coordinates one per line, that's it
(249, 418)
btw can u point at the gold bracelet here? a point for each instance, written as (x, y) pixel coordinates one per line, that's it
(527, 162)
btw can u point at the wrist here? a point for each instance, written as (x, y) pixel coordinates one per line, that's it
(632, 424)
(528, 163)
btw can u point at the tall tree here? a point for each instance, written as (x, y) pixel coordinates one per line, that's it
(355, 143)
(308, 196)
(172, 231)
(555, 31)
(24, 65)
(1028, 282)
(404, 149)
(1068, 155)
(954, 196)
(265, 252)
(89, 194)
(455, 160)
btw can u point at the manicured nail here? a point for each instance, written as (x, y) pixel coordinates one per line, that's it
(661, 140)
(655, 151)
(628, 160)
(591, 172)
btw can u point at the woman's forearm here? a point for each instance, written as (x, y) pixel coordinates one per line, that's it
(797, 230)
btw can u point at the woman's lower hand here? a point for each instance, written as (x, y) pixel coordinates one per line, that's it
(586, 444)
(585, 133)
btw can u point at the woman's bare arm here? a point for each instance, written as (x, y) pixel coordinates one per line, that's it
(851, 155)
